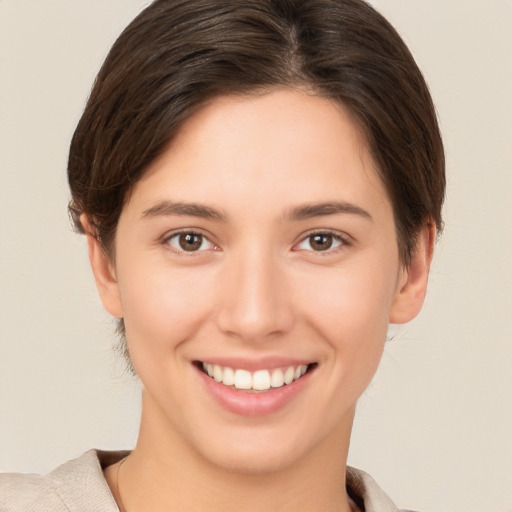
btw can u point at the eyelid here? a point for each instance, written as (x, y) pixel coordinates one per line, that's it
(193, 231)
(342, 237)
(346, 240)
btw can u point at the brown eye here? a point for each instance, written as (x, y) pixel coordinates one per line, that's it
(321, 242)
(189, 242)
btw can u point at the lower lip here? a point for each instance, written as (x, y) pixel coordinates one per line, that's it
(253, 404)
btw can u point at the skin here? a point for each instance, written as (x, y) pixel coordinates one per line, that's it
(256, 289)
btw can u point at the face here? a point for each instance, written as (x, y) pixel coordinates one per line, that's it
(256, 271)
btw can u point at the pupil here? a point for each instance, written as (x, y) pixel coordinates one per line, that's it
(321, 242)
(190, 241)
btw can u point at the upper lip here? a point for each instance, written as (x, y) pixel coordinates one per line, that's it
(252, 365)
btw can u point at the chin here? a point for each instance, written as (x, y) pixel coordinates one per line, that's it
(259, 451)
(251, 461)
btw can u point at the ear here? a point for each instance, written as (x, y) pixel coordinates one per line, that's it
(412, 284)
(103, 270)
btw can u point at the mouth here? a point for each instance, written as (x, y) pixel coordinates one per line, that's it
(259, 381)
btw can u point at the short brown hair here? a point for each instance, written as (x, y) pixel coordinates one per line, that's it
(179, 54)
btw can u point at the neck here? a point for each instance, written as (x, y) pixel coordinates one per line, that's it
(164, 472)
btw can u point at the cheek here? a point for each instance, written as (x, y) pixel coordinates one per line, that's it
(352, 300)
(351, 313)
(166, 306)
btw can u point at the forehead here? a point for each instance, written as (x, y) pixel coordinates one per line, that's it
(278, 147)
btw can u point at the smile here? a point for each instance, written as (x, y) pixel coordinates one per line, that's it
(261, 380)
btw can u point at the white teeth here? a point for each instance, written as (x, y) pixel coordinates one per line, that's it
(300, 371)
(229, 377)
(261, 380)
(217, 373)
(277, 379)
(243, 379)
(289, 374)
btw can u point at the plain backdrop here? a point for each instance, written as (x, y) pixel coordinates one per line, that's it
(435, 426)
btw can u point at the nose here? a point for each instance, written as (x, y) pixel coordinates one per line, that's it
(255, 298)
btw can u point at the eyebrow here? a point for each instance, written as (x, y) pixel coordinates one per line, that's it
(310, 211)
(186, 209)
(304, 212)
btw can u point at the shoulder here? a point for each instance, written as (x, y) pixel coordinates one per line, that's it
(367, 494)
(76, 485)
(27, 492)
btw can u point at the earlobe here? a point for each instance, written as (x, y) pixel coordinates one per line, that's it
(103, 270)
(412, 286)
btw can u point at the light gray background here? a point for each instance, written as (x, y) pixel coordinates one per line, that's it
(434, 428)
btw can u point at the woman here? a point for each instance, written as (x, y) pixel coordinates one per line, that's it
(260, 184)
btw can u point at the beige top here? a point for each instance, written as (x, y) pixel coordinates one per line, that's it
(79, 486)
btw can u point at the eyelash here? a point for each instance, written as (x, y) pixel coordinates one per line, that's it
(342, 240)
(182, 252)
